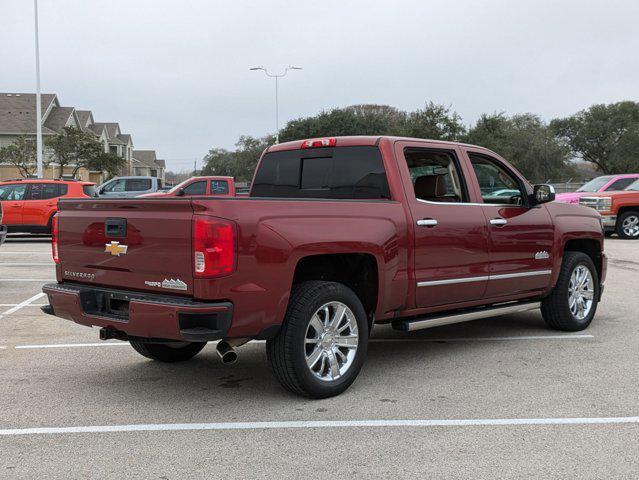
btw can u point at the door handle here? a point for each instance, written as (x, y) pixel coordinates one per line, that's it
(498, 221)
(427, 222)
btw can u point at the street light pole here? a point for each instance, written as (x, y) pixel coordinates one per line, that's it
(276, 76)
(38, 96)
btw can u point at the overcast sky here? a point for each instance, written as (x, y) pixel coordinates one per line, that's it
(175, 74)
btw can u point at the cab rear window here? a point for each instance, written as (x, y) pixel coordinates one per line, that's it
(331, 173)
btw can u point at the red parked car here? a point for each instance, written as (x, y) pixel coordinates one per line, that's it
(209, 186)
(338, 234)
(28, 205)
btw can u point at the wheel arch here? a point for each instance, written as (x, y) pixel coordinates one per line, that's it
(590, 247)
(358, 271)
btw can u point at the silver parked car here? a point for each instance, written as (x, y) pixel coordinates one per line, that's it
(127, 187)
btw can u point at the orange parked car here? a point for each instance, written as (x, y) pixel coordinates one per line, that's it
(28, 205)
(619, 210)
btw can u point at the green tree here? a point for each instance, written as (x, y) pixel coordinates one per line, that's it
(435, 122)
(21, 154)
(605, 135)
(107, 162)
(352, 120)
(76, 148)
(239, 163)
(526, 141)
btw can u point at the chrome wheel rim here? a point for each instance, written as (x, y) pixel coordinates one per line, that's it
(331, 341)
(581, 292)
(630, 226)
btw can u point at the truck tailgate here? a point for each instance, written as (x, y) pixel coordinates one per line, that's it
(140, 245)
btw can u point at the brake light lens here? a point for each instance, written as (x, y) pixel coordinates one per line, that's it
(319, 142)
(54, 239)
(214, 246)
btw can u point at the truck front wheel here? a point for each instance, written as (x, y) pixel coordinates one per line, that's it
(322, 344)
(572, 304)
(168, 352)
(628, 225)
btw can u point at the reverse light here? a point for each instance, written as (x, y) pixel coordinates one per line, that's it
(214, 246)
(319, 142)
(54, 239)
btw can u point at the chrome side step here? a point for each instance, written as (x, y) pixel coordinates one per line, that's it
(486, 312)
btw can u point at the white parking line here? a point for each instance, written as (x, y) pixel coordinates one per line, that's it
(374, 340)
(12, 280)
(52, 264)
(15, 304)
(72, 345)
(23, 304)
(9, 252)
(159, 427)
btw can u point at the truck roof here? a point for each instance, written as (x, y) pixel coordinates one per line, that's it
(359, 141)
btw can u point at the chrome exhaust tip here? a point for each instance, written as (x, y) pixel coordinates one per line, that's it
(226, 352)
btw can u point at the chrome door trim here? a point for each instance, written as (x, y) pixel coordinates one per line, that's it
(520, 274)
(452, 280)
(502, 276)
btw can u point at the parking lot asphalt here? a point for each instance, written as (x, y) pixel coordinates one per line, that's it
(527, 401)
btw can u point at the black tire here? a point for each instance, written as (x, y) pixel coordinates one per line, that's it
(555, 307)
(620, 228)
(166, 352)
(287, 351)
(49, 228)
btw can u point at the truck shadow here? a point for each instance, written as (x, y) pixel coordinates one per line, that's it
(249, 383)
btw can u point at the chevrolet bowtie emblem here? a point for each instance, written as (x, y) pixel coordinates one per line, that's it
(115, 249)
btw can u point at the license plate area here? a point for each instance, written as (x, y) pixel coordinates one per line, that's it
(106, 304)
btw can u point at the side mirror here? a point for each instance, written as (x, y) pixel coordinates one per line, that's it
(543, 193)
(180, 193)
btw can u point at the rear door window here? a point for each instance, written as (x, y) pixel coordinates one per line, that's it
(435, 175)
(43, 191)
(89, 190)
(219, 187)
(138, 184)
(331, 173)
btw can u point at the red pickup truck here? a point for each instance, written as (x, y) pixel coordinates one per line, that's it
(336, 235)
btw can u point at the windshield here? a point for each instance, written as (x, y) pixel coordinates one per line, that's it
(634, 186)
(594, 185)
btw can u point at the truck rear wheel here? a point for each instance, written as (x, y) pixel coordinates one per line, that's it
(572, 304)
(628, 225)
(322, 344)
(168, 352)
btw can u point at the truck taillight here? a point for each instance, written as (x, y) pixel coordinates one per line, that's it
(214, 246)
(54, 239)
(319, 142)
